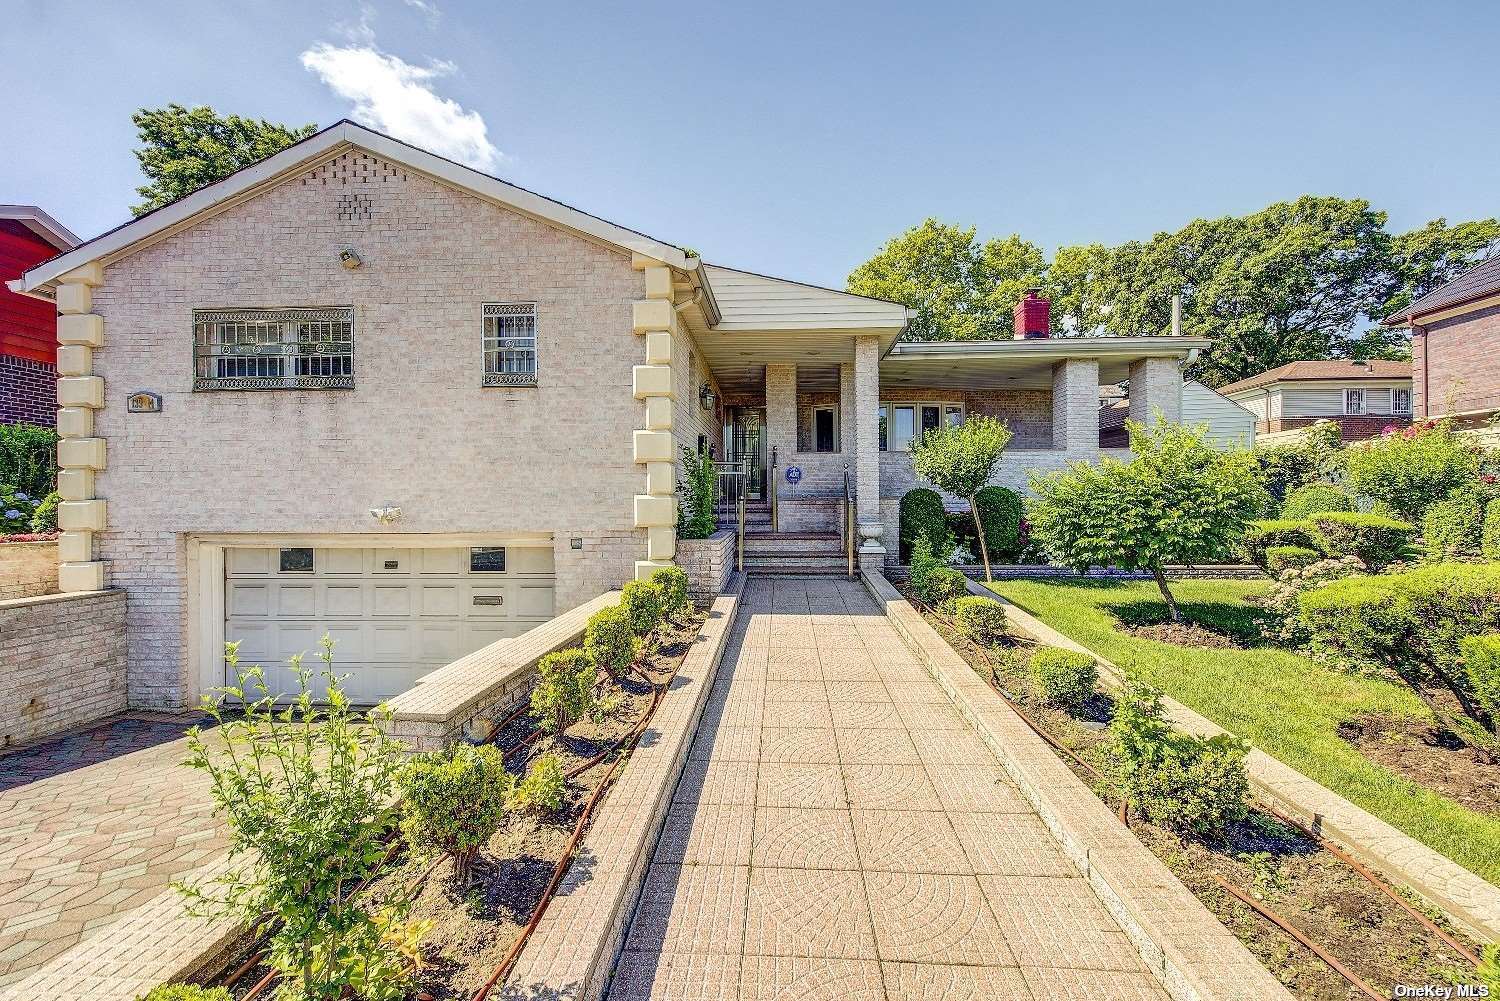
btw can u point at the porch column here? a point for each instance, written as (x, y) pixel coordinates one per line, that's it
(1155, 385)
(80, 452)
(781, 414)
(1075, 406)
(866, 464)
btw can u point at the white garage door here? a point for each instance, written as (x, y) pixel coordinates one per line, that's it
(395, 614)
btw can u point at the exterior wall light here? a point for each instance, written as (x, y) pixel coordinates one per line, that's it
(706, 397)
(389, 514)
(349, 259)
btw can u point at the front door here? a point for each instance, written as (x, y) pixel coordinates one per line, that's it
(745, 446)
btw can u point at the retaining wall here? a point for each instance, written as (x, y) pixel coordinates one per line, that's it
(62, 663)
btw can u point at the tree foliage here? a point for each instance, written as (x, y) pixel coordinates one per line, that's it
(1179, 500)
(1410, 470)
(961, 459)
(184, 149)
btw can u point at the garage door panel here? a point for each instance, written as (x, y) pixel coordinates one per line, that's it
(529, 559)
(490, 600)
(390, 644)
(248, 561)
(297, 601)
(440, 599)
(345, 600)
(439, 642)
(534, 600)
(245, 599)
(341, 561)
(392, 599)
(450, 562)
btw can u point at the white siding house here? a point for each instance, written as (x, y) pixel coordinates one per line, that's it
(1229, 424)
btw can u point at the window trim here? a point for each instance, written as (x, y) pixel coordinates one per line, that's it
(833, 410)
(1397, 408)
(1352, 394)
(210, 356)
(508, 380)
(891, 406)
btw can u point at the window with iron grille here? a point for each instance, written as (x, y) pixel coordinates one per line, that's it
(510, 344)
(273, 348)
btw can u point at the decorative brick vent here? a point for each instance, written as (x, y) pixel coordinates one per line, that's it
(354, 206)
(354, 168)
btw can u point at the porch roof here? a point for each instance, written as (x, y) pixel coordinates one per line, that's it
(1025, 364)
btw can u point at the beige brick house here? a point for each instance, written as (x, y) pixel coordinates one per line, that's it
(360, 388)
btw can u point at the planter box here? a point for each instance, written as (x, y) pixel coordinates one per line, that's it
(27, 569)
(708, 562)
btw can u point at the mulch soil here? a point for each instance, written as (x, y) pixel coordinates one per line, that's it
(474, 926)
(1182, 634)
(1429, 755)
(1278, 865)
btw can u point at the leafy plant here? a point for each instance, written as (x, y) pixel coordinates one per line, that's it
(17, 508)
(186, 992)
(1481, 660)
(1282, 469)
(1375, 539)
(1262, 535)
(1183, 782)
(642, 601)
(961, 459)
(610, 640)
(28, 458)
(1279, 559)
(305, 793)
(543, 788)
(1000, 513)
(453, 801)
(1315, 498)
(44, 518)
(1411, 469)
(674, 591)
(566, 690)
(695, 517)
(932, 580)
(980, 619)
(1451, 526)
(1064, 678)
(1489, 541)
(921, 515)
(1179, 500)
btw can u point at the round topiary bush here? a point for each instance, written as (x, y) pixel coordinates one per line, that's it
(1451, 527)
(1282, 558)
(610, 641)
(1377, 540)
(452, 801)
(44, 518)
(1000, 512)
(1064, 678)
(642, 602)
(674, 590)
(1315, 498)
(980, 619)
(922, 515)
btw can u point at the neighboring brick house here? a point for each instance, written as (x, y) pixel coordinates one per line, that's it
(1362, 397)
(359, 388)
(1455, 347)
(28, 328)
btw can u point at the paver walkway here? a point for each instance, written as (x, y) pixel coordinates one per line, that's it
(93, 824)
(840, 833)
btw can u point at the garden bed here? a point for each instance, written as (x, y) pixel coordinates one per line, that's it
(474, 928)
(1430, 755)
(1280, 866)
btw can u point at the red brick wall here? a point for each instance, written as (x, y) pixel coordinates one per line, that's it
(1456, 365)
(28, 391)
(1350, 428)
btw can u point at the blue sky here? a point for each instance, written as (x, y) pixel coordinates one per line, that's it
(794, 138)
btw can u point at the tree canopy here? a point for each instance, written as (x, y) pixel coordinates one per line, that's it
(184, 149)
(961, 459)
(1303, 279)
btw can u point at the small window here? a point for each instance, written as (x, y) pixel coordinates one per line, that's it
(509, 335)
(487, 559)
(825, 430)
(954, 416)
(902, 429)
(930, 417)
(296, 561)
(1354, 401)
(1401, 401)
(273, 348)
(885, 413)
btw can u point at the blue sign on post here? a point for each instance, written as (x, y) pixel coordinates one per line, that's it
(794, 475)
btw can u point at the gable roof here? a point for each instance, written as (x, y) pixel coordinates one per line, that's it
(47, 229)
(1481, 280)
(1334, 370)
(249, 181)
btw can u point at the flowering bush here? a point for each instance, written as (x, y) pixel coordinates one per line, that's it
(1410, 469)
(16, 509)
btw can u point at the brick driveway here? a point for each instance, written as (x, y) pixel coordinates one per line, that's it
(839, 832)
(93, 824)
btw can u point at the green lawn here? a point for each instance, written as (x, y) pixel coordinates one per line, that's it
(1286, 704)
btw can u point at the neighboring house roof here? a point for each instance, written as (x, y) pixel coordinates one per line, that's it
(1482, 280)
(43, 225)
(1338, 370)
(1113, 413)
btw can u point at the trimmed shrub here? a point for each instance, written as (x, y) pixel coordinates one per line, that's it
(186, 992)
(1451, 527)
(1481, 657)
(1413, 468)
(1064, 678)
(674, 591)
(1262, 535)
(1377, 540)
(642, 601)
(28, 458)
(453, 801)
(44, 519)
(1489, 540)
(1280, 559)
(609, 640)
(1000, 513)
(17, 507)
(944, 585)
(1315, 498)
(543, 788)
(566, 689)
(922, 517)
(980, 619)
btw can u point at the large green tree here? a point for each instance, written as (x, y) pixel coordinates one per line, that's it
(961, 289)
(183, 149)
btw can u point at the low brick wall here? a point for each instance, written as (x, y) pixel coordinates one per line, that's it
(62, 663)
(27, 569)
(708, 562)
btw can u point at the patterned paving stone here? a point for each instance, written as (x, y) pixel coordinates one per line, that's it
(907, 841)
(894, 787)
(976, 789)
(865, 715)
(694, 908)
(808, 745)
(915, 691)
(933, 918)
(725, 782)
(814, 786)
(930, 982)
(801, 912)
(958, 747)
(1057, 923)
(1091, 985)
(1010, 844)
(791, 838)
(678, 976)
(796, 691)
(706, 834)
(876, 747)
(727, 743)
(857, 691)
(782, 978)
(808, 715)
(921, 716)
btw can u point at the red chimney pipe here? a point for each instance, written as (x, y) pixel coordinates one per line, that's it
(1033, 316)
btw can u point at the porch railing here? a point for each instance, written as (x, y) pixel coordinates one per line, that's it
(846, 521)
(772, 481)
(730, 485)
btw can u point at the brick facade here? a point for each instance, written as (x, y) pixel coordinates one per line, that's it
(64, 658)
(27, 569)
(1456, 365)
(418, 431)
(1350, 428)
(708, 562)
(28, 391)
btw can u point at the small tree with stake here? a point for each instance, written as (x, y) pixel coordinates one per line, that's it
(960, 459)
(1179, 500)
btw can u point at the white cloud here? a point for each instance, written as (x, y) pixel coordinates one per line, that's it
(426, 7)
(395, 97)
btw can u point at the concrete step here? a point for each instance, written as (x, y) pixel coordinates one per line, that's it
(789, 563)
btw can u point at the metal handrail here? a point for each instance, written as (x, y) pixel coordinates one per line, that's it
(771, 485)
(739, 561)
(848, 520)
